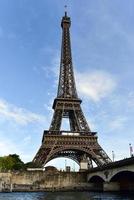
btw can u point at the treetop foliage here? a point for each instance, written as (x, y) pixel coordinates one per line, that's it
(11, 162)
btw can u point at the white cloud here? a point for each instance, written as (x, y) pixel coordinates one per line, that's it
(130, 100)
(7, 147)
(95, 85)
(27, 140)
(52, 69)
(19, 140)
(19, 115)
(54, 66)
(118, 123)
(26, 157)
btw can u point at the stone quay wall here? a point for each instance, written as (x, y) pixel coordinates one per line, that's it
(42, 181)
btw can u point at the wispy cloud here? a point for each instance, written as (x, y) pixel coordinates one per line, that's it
(54, 65)
(19, 140)
(27, 139)
(95, 85)
(19, 115)
(130, 100)
(118, 123)
(51, 69)
(7, 147)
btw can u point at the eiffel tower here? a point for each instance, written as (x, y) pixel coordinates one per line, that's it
(79, 143)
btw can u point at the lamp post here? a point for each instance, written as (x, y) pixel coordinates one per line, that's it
(131, 150)
(113, 156)
(65, 164)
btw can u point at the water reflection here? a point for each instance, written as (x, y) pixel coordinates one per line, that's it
(88, 196)
(66, 196)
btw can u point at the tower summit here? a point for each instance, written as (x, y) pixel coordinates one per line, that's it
(67, 103)
(79, 143)
(66, 88)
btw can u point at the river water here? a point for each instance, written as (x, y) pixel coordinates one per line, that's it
(66, 196)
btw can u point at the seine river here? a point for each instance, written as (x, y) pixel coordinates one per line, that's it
(66, 196)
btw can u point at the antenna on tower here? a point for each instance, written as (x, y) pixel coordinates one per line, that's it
(65, 10)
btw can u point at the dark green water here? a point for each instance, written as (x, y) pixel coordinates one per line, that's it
(66, 196)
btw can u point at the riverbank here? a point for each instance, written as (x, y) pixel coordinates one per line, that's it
(30, 181)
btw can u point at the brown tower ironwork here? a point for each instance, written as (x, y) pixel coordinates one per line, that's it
(79, 143)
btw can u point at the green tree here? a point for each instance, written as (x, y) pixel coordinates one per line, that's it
(11, 162)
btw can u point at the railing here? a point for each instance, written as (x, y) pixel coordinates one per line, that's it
(81, 133)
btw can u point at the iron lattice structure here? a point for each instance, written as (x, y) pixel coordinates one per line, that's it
(79, 142)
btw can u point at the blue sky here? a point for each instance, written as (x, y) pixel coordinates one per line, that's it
(102, 35)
